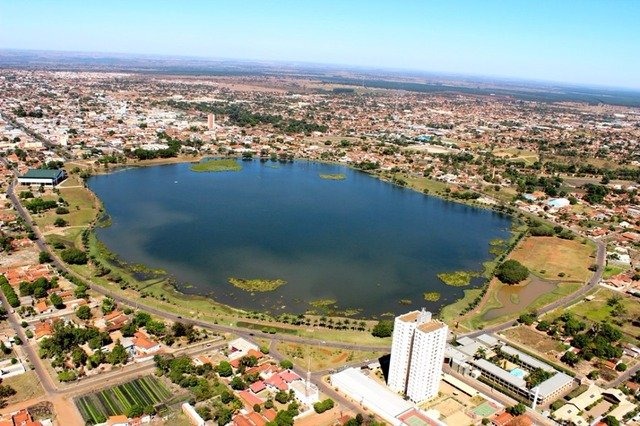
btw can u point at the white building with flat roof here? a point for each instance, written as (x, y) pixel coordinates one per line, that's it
(417, 354)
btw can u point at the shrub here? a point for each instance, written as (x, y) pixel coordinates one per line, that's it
(60, 222)
(322, 406)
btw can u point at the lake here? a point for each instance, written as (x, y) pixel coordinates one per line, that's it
(363, 242)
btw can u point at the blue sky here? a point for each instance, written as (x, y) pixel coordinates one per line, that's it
(574, 41)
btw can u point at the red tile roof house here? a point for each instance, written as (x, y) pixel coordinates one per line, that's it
(143, 344)
(257, 387)
(43, 329)
(249, 399)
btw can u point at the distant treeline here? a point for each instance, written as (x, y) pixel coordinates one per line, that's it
(240, 116)
(559, 94)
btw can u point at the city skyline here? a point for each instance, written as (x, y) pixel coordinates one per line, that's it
(586, 43)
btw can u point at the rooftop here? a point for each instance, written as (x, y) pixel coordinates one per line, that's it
(42, 174)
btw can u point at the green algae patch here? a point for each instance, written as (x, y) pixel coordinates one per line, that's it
(257, 284)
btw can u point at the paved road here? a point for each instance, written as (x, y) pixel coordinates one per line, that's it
(33, 357)
(601, 257)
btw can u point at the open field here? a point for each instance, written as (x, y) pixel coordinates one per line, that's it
(27, 386)
(548, 257)
(219, 165)
(319, 358)
(144, 392)
(535, 340)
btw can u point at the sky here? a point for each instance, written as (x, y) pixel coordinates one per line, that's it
(571, 41)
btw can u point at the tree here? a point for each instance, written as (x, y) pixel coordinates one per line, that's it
(6, 391)
(224, 369)
(226, 397)
(67, 376)
(108, 305)
(223, 416)
(543, 325)
(44, 257)
(384, 328)
(282, 397)
(237, 383)
(74, 256)
(157, 328)
(517, 410)
(286, 364)
(118, 355)
(621, 367)
(56, 301)
(511, 272)
(611, 421)
(141, 318)
(129, 329)
(134, 411)
(83, 312)
(78, 356)
(60, 222)
(570, 358)
(322, 406)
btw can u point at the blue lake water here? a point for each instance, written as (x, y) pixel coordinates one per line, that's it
(360, 241)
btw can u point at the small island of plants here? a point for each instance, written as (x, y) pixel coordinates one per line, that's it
(333, 176)
(431, 296)
(217, 165)
(257, 284)
(457, 278)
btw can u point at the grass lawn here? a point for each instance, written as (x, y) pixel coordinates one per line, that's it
(220, 165)
(611, 270)
(26, 385)
(451, 313)
(547, 257)
(422, 183)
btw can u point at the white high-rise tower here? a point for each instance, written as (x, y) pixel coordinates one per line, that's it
(417, 354)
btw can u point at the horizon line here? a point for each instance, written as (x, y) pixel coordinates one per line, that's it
(338, 66)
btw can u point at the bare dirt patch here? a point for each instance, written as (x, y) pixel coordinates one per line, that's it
(535, 340)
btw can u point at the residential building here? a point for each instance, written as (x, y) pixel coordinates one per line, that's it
(417, 354)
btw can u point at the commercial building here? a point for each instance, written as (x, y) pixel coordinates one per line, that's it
(417, 353)
(376, 397)
(42, 177)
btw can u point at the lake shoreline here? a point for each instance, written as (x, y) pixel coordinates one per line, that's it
(187, 294)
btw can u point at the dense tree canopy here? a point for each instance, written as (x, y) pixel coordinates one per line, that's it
(512, 272)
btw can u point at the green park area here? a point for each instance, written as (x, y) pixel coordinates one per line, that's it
(558, 267)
